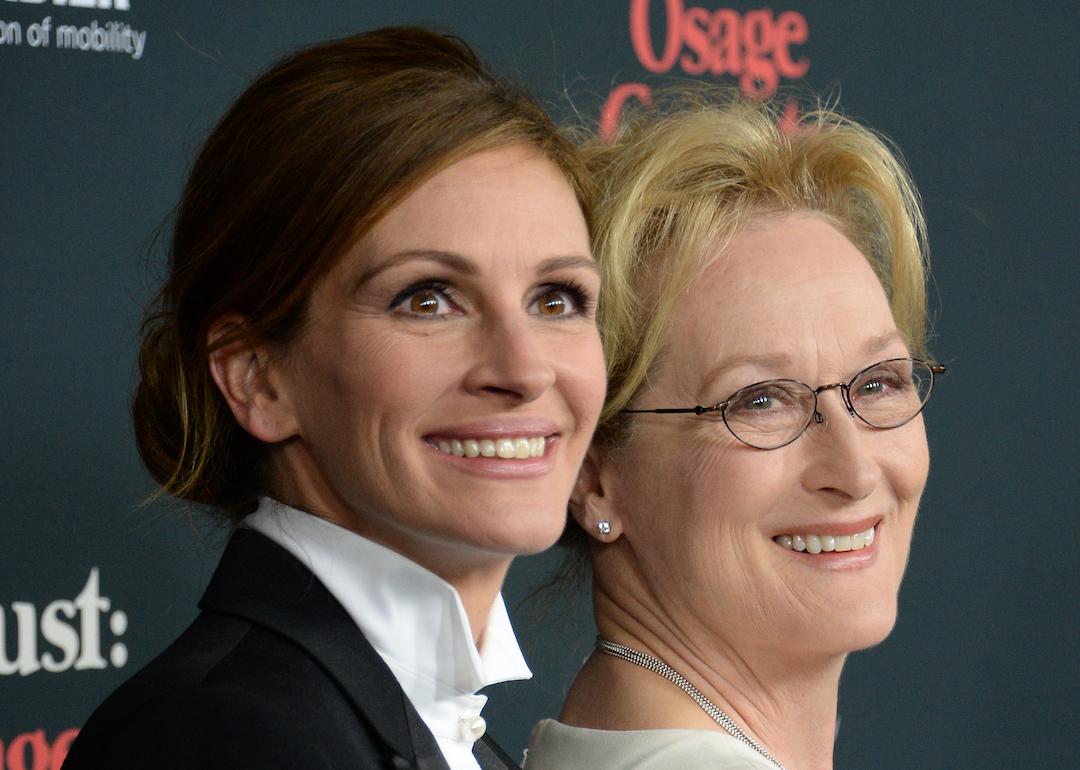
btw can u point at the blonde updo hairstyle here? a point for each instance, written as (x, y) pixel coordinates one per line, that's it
(306, 161)
(680, 179)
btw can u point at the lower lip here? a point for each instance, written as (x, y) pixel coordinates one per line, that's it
(498, 468)
(839, 560)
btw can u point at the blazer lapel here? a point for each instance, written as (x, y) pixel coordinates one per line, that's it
(491, 756)
(263, 583)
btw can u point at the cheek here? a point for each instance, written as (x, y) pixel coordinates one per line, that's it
(735, 486)
(698, 500)
(648, 491)
(590, 391)
(905, 468)
(737, 491)
(909, 463)
(585, 377)
(360, 379)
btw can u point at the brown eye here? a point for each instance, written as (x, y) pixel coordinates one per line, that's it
(560, 300)
(553, 303)
(425, 299)
(424, 302)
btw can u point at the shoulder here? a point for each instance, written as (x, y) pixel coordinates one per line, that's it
(226, 657)
(555, 746)
(226, 694)
(202, 726)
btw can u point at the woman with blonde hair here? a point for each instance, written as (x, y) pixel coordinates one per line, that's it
(749, 498)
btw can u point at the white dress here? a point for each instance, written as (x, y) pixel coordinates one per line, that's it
(555, 746)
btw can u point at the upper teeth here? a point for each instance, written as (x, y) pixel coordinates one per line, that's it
(817, 543)
(506, 448)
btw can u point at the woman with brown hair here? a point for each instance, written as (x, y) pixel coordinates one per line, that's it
(376, 355)
(763, 316)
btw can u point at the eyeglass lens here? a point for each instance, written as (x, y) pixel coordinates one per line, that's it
(771, 414)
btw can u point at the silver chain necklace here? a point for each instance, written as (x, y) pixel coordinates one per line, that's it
(657, 666)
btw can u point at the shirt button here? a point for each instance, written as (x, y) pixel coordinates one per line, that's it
(473, 727)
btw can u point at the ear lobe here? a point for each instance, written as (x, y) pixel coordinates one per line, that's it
(591, 502)
(241, 369)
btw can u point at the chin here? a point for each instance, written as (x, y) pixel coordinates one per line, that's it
(869, 629)
(850, 629)
(871, 638)
(522, 532)
(538, 536)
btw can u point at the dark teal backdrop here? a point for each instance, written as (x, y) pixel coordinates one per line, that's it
(983, 98)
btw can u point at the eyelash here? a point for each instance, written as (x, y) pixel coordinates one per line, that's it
(438, 287)
(580, 297)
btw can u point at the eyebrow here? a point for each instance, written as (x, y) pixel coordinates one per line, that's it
(780, 361)
(555, 264)
(764, 360)
(455, 262)
(465, 266)
(880, 342)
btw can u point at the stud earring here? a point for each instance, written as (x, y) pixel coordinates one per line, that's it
(604, 527)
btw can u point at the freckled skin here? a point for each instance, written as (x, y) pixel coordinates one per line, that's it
(696, 549)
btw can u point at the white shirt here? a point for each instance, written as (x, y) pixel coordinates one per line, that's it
(555, 746)
(414, 619)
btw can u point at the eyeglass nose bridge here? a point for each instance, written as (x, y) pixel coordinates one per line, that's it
(819, 418)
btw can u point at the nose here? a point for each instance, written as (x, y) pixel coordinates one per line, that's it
(510, 360)
(841, 461)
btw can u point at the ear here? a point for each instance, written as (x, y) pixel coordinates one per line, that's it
(591, 503)
(246, 377)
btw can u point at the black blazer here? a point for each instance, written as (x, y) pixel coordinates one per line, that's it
(273, 673)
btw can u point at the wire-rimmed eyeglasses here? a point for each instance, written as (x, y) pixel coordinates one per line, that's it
(773, 413)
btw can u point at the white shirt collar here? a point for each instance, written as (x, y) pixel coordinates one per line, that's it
(413, 618)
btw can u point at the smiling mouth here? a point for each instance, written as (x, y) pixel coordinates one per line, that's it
(813, 543)
(504, 447)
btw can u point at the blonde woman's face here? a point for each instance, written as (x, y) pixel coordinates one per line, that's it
(790, 298)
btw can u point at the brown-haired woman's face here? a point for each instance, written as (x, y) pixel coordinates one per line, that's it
(449, 375)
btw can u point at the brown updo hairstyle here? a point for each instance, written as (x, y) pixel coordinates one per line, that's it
(306, 161)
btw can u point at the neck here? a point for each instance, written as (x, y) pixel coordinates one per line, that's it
(478, 588)
(477, 575)
(786, 703)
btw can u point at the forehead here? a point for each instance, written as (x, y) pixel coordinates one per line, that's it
(790, 286)
(504, 200)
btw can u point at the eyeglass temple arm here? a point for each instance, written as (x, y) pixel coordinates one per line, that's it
(935, 368)
(687, 410)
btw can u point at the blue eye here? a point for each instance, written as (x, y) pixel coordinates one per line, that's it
(767, 398)
(870, 388)
(882, 381)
